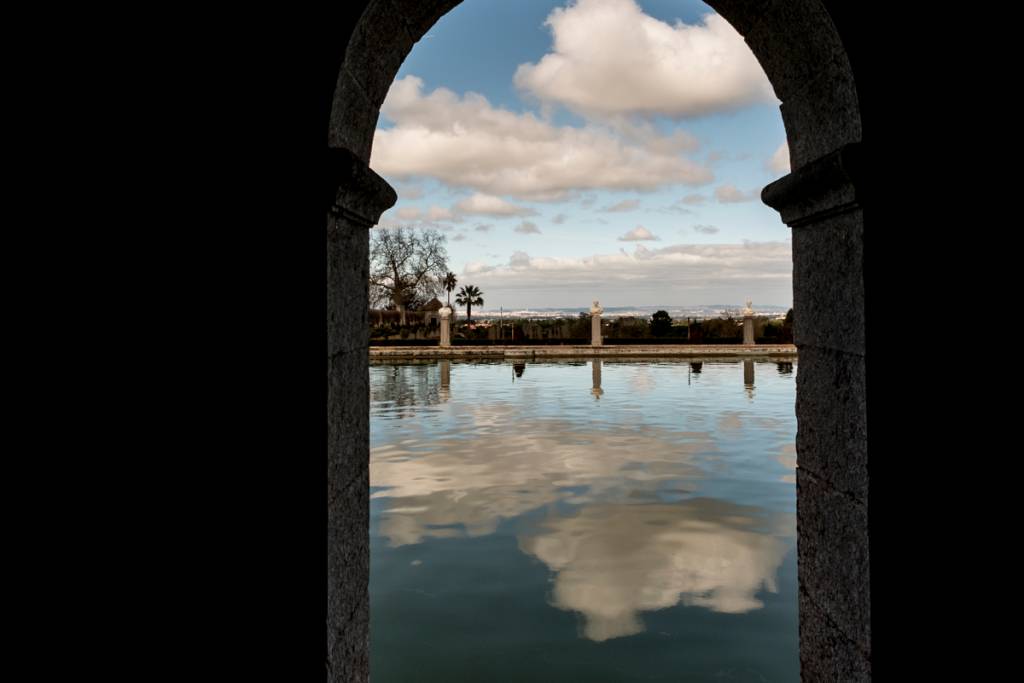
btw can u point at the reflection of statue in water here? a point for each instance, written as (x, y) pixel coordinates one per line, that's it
(595, 367)
(444, 392)
(748, 377)
(518, 369)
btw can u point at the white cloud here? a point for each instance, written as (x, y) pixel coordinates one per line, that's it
(730, 194)
(624, 205)
(610, 59)
(519, 259)
(438, 213)
(459, 237)
(559, 219)
(465, 142)
(489, 205)
(527, 228)
(408, 213)
(779, 162)
(637, 234)
(706, 229)
(483, 227)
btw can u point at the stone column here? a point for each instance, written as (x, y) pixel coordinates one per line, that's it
(595, 324)
(748, 325)
(356, 198)
(446, 329)
(595, 371)
(821, 201)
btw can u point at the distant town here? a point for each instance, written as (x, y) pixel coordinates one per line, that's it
(701, 312)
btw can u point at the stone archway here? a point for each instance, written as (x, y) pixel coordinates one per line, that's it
(803, 54)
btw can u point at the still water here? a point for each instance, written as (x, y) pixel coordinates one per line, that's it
(583, 521)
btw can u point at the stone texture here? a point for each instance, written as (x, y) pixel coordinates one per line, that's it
(748, 330)
(788, 63)
(821, 188)
(832, 538)
(348, 510)
(743, 15)
(828, 283)
(822, 118)
(419, 16)
(347, 286)
(347, 444)
(825, 653)
(377, 48)
(796, 43)
(348, 575)
(831, 407)
(353, 117)
(446, 327)
(353, 189)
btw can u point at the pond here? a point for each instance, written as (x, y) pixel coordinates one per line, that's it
(583, 521)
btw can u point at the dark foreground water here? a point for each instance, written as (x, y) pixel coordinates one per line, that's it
(583, 521)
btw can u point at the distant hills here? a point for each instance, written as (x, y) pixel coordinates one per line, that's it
(702, 311)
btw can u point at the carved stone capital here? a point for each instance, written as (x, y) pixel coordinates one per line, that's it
(824, 187)
(354, 191)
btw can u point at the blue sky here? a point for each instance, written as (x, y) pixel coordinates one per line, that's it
(573, 150)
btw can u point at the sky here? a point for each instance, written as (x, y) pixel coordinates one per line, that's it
(573, 150)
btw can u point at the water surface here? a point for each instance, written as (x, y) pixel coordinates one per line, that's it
(583, 521)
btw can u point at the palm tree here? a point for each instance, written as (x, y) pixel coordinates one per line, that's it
(469, 296)
(449, 283)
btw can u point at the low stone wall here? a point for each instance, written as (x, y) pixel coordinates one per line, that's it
(666, 350)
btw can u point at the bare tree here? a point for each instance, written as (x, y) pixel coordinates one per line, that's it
(407, 264)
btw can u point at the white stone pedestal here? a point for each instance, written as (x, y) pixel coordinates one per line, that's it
(595, 324)
(446, 326)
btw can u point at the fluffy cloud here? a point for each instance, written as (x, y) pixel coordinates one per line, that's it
(489, 205)
(611, 59)
(729, 194)
(637, 234)
(706, 229)
(465, 142)
(527, 228)
(624, 205)
(437, 213)
(779, 162)
(519, 259)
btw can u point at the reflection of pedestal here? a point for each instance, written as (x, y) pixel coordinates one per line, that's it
(446, 326)
(748, 330)
(748, 376)
(446, 379)
(595, 369)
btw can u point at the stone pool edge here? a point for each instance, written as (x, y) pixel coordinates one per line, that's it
(618, 351)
